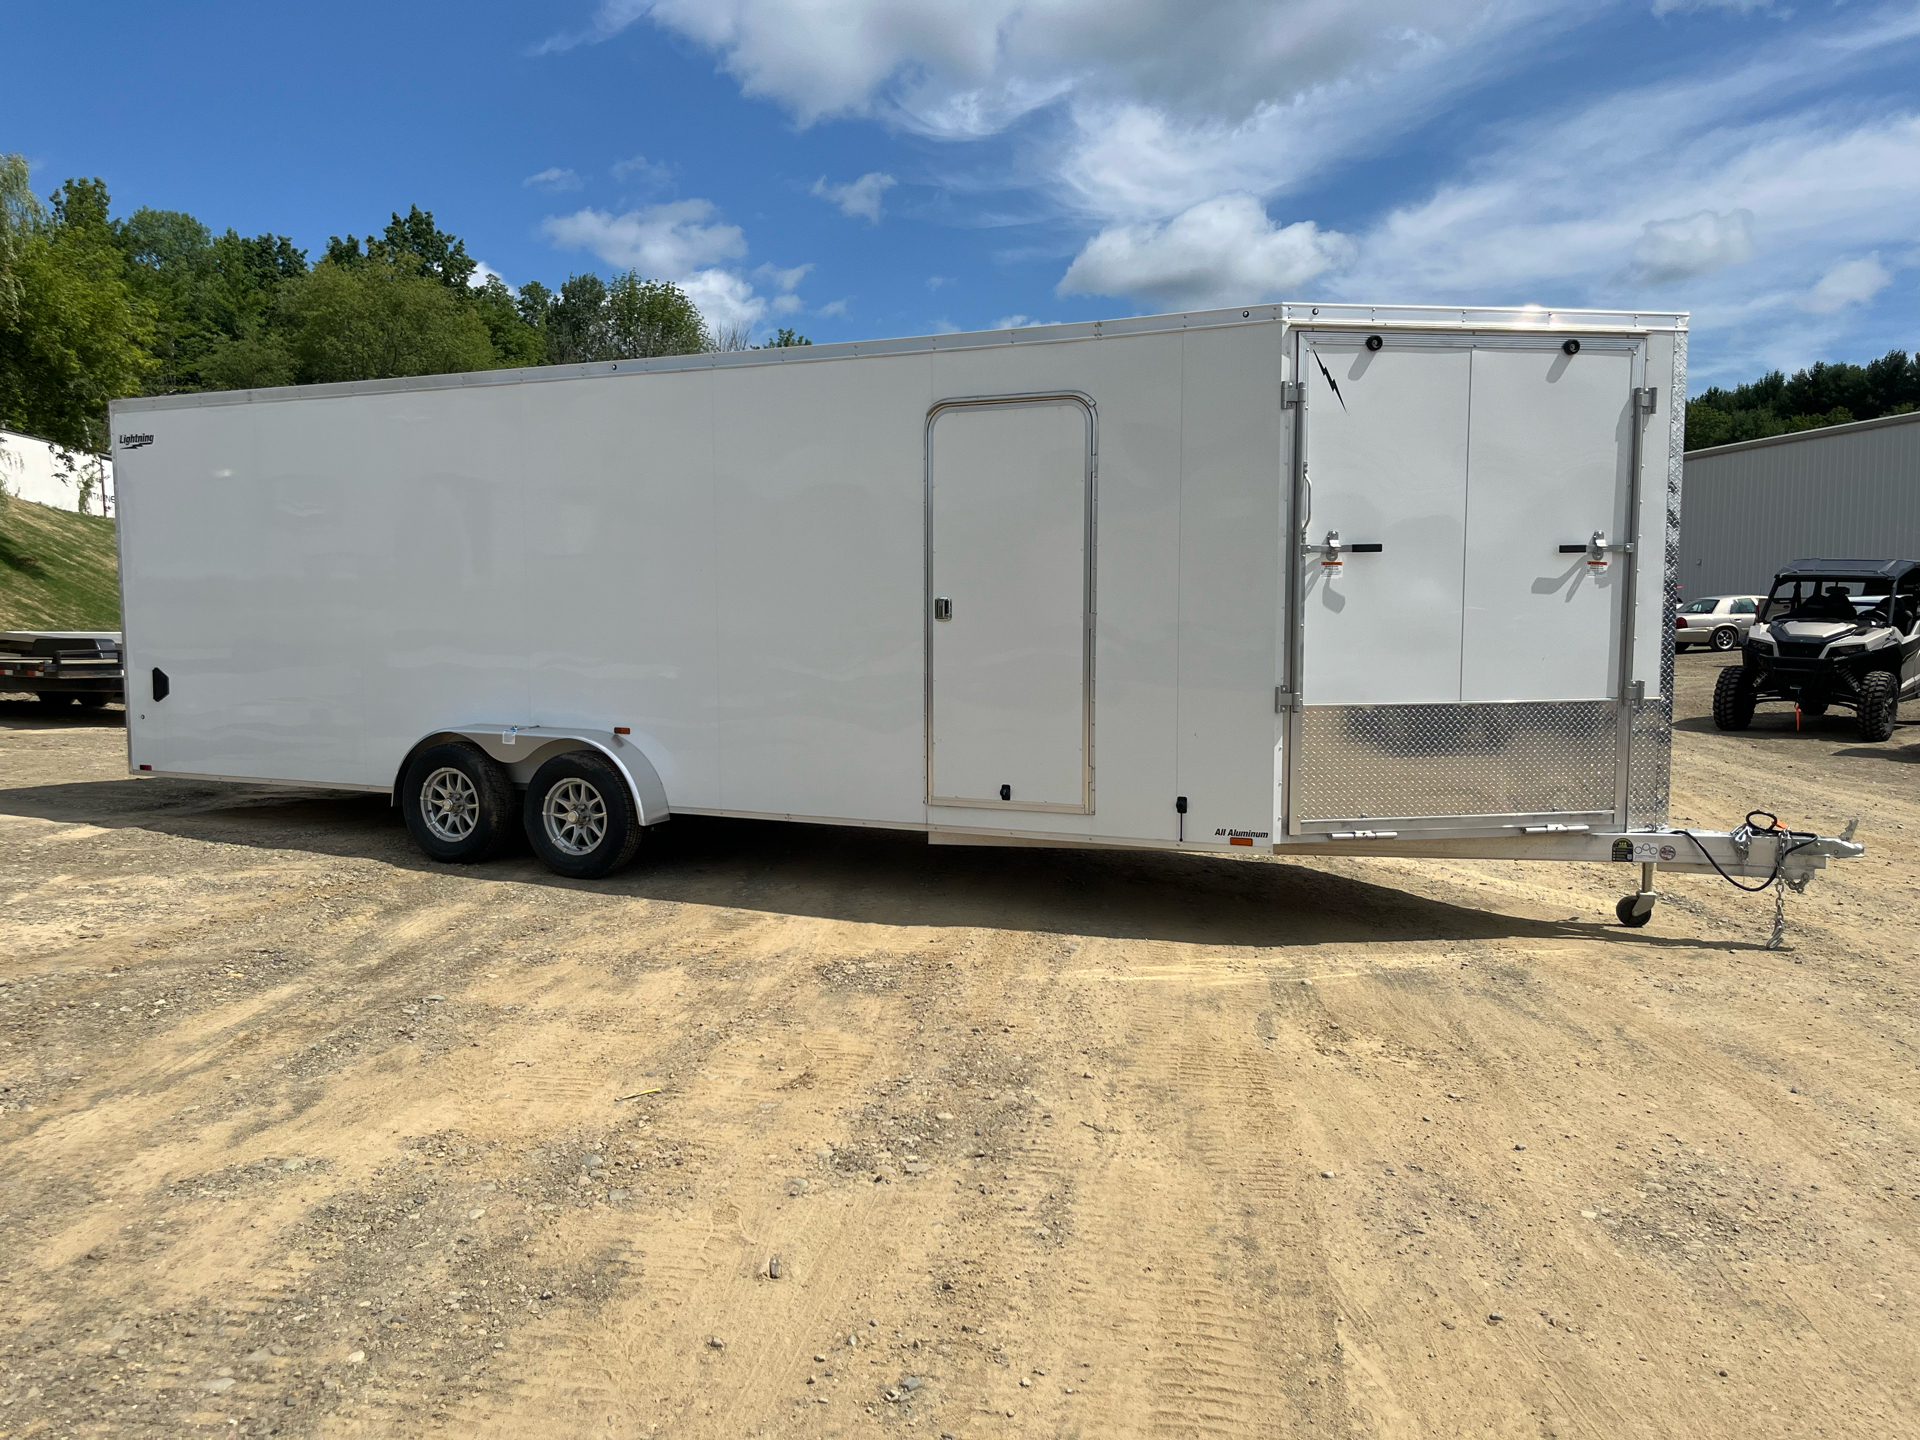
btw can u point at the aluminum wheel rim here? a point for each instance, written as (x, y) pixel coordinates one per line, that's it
(575, 817)
(450, 804)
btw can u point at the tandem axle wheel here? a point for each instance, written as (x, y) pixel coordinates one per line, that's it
(1637, 909)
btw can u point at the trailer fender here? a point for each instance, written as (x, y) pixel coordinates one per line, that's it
(523, 749)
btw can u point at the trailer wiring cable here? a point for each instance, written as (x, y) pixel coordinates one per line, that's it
(1773, 827)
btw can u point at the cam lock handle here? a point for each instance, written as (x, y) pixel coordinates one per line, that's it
(1597, 549)
(1331, 552)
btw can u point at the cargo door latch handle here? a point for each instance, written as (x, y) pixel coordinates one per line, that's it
(1331, 552)
(943, 608)
(1597, 549)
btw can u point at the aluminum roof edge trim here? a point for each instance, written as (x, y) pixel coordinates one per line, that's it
(1435, 317)
(1819, 432)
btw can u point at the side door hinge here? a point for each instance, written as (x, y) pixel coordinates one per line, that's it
(1646, 398)
(1289, 394)
(1284, 700)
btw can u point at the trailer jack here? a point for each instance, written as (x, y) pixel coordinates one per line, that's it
(1636, 909)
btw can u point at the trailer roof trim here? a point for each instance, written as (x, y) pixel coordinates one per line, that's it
(1436, 317)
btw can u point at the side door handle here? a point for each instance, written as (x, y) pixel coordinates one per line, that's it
(943, 608)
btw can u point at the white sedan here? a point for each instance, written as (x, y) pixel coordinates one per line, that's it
(1720, 622)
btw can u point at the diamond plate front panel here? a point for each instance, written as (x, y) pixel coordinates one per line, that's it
(1406, 762)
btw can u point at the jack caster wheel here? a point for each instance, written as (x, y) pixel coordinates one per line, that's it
(1625, 910)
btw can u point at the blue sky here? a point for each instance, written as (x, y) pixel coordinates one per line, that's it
(888, 167)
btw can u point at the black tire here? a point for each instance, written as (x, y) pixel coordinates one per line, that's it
(1625, 911)
(591, 827)
(1733, 699)
(1724, 639)
(1879, 705)
(458, 823)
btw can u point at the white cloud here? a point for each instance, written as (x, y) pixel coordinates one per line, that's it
(1577, 212)
(971, 67)
(641, 169)
(860, 198)
(483, 272)
(669, 240)
(1011, 322)
(687, 243)
(934, 282)
(832, 307)
(1680, 249)
(1224, 251)
(782, 279)
(1744, 7)
(1852, 282)
(553, 178)
(726, 299)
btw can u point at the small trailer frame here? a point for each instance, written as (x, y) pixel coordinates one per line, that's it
(1327, 579)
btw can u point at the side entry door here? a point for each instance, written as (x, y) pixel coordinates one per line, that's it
(1010, 548)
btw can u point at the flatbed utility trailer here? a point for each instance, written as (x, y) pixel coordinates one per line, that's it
(63, 667)
(1328, 579)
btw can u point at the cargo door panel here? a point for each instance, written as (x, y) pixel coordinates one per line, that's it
(1467, 671)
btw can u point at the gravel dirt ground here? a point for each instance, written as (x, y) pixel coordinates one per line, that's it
(814, 1132)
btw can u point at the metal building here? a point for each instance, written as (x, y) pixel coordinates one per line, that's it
(1747, 509)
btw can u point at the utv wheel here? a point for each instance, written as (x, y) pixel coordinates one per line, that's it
(1879, 705)
(459, 804)
(580, 816)
(1733, 699)
(1725, 638)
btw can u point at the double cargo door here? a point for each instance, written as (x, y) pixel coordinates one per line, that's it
(1464, 580)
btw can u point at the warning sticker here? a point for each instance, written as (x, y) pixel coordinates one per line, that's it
(1643, 852)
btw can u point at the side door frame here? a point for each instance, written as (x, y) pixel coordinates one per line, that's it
(1089, 592)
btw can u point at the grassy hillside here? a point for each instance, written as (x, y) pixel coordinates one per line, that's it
(58, 570)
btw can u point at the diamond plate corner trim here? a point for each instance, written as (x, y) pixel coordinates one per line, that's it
(1649, 764)
(1650, 751)
(1405, 762)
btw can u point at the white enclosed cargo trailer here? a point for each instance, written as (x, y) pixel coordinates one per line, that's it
(1332, 578)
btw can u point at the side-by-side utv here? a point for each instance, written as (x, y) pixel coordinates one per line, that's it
(1833, 632)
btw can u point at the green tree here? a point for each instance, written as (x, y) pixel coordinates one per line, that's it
(1822, 394)
(441, 255)
(782, 339)
(576, 322)
(20, 215)
(514, 341)
(534, 302)
(652, 317)
(76, 335)
(378, 318)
